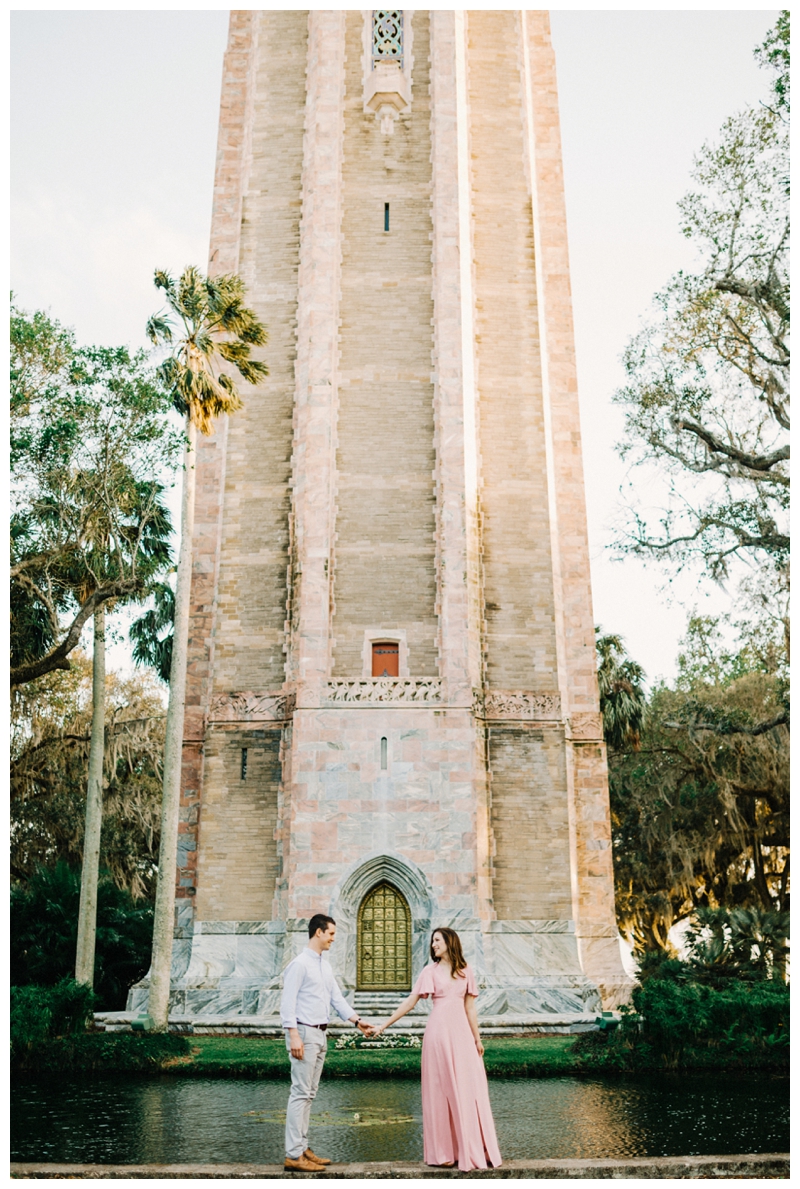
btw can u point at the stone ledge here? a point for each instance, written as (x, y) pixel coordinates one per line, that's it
(242, 1025)
(771, 1165)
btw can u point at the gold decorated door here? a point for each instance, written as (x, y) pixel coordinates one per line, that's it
(384, 941)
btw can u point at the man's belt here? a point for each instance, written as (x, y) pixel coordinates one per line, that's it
(321, 1027)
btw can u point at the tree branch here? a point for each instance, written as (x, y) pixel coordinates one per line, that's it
(753, 462)
(717, 729)
(57, 658)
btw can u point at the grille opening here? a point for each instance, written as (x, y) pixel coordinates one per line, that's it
(244, 763)
(384, 753)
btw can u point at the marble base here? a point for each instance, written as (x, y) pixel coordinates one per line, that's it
(232, 968)
(187, 1024)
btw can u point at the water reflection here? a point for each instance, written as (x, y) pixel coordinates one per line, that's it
(170, 1120)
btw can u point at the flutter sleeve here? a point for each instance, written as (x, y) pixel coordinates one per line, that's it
(472, 986)
(424, 985)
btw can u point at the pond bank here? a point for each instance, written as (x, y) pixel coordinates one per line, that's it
(240, 1056)
(768, 1166)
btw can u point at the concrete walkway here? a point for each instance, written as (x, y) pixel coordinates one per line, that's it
(673, 1167)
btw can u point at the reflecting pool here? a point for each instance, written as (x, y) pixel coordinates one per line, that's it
(168, 1119)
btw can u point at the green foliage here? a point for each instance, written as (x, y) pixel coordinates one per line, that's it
(40, 351)
(748, 944)
(91, 446)
(700, 809)
(707, 394)
(44, 926)
(622, 696)
(105, 1053)
(217, 328)
(150, 644)
(39, 1013)
(687, 1025)
(51, 720)
(775, 55)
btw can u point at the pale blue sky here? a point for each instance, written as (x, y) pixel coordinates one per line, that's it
(114, 122)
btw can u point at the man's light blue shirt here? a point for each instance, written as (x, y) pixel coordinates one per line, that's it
(310, 990)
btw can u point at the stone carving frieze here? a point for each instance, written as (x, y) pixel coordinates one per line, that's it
(251, 707)
(500, 704)
(586, 726)
(400, 691)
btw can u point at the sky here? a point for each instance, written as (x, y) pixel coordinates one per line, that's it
(113, 139)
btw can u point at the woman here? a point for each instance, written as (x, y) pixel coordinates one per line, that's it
(457, 1121)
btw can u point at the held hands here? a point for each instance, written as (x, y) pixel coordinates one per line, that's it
(371, 1030)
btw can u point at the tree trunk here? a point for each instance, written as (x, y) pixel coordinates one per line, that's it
(164, 918)
(87, 913)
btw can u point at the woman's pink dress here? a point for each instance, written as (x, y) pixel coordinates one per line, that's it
(457, 1118)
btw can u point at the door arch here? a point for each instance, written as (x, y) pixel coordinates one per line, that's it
(384, 940)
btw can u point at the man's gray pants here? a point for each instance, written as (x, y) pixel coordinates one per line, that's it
(305, 1080)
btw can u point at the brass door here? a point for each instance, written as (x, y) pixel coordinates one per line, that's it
(384, 941)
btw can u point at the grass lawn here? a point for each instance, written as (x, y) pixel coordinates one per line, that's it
(252, 1057)
(242, 1056)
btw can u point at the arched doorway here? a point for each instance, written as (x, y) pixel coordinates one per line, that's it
(384, 941)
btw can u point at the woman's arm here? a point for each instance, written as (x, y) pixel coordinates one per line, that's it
(472, 1016)
(402, 1010)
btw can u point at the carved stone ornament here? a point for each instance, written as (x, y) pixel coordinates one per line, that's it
(251, 707)
(499, 704)
(386, 88)
(587, 726)
(384, 690)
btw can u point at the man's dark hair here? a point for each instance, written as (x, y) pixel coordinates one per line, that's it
(319, 921)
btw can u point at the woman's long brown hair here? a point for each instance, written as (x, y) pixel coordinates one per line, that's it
(455, 954)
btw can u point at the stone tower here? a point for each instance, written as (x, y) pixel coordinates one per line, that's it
(393, 709)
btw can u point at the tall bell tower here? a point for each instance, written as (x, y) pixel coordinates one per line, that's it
(393, 708)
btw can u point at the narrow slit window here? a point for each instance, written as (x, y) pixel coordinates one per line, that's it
(385, 659)
(386, 216)
(244, 763)
(384, 754)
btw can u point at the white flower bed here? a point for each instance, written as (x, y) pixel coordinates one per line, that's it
(398, 1041)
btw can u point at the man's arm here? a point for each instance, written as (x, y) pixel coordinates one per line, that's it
(292, 977)
(343, 1008)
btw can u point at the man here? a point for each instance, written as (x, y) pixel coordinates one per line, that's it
(309, 991)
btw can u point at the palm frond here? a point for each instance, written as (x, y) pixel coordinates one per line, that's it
(159, 329)
(162, 280)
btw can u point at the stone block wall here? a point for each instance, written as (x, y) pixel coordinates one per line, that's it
(530, 823)
(519, 639)
(251, 604)
(384, 575)
(238, 862)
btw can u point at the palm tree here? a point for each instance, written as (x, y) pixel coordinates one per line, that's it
(150, 646)
(134, 541)
(622, 698)
(216, 328)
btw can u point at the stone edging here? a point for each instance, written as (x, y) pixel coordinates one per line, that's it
(769, 1165)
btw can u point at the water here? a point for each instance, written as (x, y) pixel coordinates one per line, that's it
(130, 1120)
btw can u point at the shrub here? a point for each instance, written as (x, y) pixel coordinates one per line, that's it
(38, 1014)
(44, 933)
(684, 1024)
(102, 1052)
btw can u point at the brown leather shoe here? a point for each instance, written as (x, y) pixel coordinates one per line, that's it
(301, 1164)
(309, 1155)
